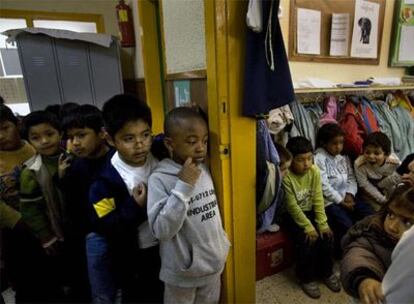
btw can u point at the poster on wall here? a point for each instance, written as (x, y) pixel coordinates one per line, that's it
(406, 49)
(309, 31)
(365, 31)
(339, 35)
(402, 39)
(182, 93)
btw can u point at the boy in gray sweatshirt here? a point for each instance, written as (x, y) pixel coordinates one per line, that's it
(183, 213)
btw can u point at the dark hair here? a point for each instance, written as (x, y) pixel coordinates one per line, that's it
(158, 148)
(6, 114)
(66, 108)
(84, 116)
(401, 198)
(328, 132)
(121, 109)
(177, 115)
(299, 145)
(284, 153)
(37, 118)
(378, 140)
(2, 101)
(54, 109)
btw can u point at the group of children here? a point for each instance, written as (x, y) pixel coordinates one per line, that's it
(331, 212)
(88, 213)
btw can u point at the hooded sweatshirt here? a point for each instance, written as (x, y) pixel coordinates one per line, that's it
(337, 176)
(186, 220)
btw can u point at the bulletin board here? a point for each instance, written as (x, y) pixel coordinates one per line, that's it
(402, 40)
(327, 8)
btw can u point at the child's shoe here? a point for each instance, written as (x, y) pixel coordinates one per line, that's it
(311, 289)
(333, 283)
(273, 228)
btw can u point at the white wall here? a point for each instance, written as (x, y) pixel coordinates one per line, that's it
(184, 35)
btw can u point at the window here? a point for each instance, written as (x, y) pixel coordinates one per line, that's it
(11, 79)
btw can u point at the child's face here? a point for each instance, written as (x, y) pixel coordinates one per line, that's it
(45, 139)
(9, 136)
(85, 142)
(189, 141)
(375, 155)
(284, 167)
(397, 221)
(301, 163)
(411, 168)
(133, 142)
(335, 145)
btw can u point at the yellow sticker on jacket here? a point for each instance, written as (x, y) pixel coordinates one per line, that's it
(104, 206)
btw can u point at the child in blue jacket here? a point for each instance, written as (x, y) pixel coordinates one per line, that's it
(118, 198)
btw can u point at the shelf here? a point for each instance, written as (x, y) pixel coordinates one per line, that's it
(371, 88)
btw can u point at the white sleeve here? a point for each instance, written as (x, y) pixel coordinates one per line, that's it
(352, 186)
(167, 211)
(398, 281)
(254, 16)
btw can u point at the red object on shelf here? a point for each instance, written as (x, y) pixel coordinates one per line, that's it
(274, 252)
(125, 24)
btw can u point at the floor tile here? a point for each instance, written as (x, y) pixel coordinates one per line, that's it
(282, 288)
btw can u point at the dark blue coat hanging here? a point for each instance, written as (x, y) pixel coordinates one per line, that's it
(266, 89)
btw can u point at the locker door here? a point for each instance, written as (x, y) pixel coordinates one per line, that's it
(106, 72)
(75, 78)
(38, 65)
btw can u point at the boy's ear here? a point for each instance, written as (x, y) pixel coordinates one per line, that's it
(110, 140)
(168, 144)
(103, 134)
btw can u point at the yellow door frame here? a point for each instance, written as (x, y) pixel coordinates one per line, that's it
(153, 66)
(232, 137)
(234, 172)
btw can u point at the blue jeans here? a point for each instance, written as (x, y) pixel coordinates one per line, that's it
(100, 269)
(341, 219)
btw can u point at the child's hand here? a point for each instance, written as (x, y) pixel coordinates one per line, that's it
(190, 172)
(349, 198)
(311, 236)
(370, 292)
(408, 178)
(53, 248)
(327, 234)
(63, 164)
(348, 202)
(139, 193)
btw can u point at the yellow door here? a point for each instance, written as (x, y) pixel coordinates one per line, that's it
(232, 137)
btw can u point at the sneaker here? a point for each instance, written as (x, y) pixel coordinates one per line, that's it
(311, 289)
(273, 228)
(333, 283)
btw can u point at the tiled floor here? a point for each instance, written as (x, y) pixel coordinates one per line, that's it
(282, 288)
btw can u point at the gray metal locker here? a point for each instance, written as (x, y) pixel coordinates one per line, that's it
(59, 70)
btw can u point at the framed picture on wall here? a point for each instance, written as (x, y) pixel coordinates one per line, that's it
(402, 40)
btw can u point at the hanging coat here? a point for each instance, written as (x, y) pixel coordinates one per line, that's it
(267, 83)
(268, 179)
